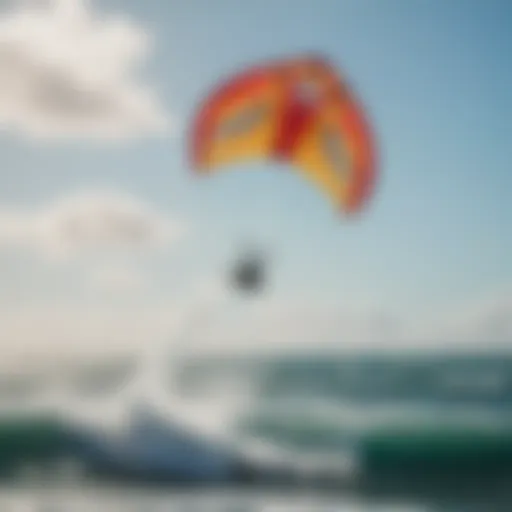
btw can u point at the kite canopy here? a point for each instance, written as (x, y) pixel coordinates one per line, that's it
(297, 111)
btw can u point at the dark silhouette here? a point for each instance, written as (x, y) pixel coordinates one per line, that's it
(249, 273)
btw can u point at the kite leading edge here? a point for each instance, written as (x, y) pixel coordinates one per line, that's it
(299, 111)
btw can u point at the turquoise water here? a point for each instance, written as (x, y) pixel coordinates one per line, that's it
(388, 413)
(400, 430)
(325, 395)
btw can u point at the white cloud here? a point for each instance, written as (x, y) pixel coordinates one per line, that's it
(86, 222)
(279, 328)
(487, 320)
(68, 71)
(479, 325)
(50, 330)
(115, 280)
(206, 324)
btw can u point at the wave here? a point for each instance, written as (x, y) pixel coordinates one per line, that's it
(310, 412)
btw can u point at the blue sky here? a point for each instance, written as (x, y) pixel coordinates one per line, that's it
(435, 78)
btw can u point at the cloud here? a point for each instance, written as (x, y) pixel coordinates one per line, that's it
(50, 330)
(295, 326)
(85, 223)
(67, 71)
(113, 280)
(487, 320)
(277, 327)
(207, 324)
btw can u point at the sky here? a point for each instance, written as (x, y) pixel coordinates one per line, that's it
(95, 103)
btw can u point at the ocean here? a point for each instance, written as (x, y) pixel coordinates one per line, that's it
(330, 432)
(140, 500)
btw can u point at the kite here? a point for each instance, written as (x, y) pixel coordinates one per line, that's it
(297, 111)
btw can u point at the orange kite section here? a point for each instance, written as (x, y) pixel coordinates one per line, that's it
(298, 111)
